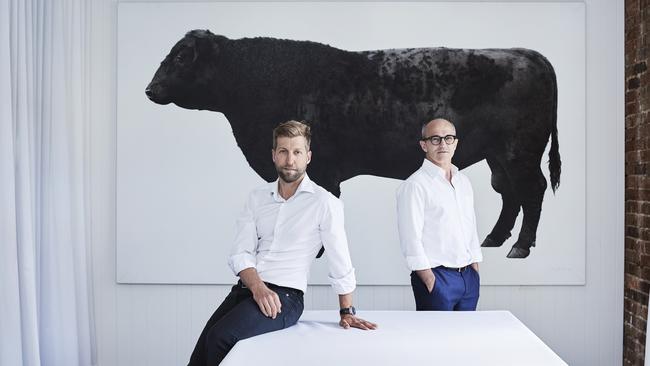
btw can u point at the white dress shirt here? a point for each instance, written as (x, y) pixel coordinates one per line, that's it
(436, 220)
(280, 238)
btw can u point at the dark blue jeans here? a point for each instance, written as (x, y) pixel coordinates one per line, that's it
(238, 317)
(453, 290)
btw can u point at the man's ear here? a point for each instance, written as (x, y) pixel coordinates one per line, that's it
(273, 155)
(423, 145)
(308, 156)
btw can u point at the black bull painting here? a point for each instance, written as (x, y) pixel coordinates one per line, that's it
(366, 110)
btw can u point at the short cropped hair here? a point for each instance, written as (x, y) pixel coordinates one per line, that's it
(424, 125)
(292, 129)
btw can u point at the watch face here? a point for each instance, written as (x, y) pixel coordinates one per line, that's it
(351, 310)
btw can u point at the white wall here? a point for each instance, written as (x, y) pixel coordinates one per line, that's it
(158, 324)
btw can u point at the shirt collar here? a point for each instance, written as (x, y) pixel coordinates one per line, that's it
(433, 170)
(305, 186)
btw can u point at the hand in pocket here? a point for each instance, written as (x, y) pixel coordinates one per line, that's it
(428, 278)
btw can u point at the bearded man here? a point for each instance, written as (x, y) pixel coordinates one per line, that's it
(279, 233)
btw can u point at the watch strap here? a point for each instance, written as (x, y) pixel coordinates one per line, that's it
(348, 311)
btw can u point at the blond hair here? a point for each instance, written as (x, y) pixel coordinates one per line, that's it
(292, 129)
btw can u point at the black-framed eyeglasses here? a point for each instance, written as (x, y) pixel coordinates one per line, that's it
(436, 140)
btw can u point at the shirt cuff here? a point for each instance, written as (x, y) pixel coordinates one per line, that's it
(240, 262)
(416, 263)
(345, 284)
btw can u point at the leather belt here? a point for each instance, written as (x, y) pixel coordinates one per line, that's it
(457, 269)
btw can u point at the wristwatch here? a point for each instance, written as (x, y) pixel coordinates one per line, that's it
(348, 311)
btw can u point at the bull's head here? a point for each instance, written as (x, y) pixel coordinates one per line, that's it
(185, 75)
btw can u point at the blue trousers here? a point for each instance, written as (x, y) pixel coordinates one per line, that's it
(453, 290)
(239, 317)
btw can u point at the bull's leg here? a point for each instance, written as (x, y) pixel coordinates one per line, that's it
(529, 185)
(509, 209)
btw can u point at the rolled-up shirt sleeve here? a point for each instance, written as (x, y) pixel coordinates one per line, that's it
(332, 233)
(410, 224)
(242, 255)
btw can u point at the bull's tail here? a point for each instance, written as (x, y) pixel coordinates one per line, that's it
(554, 162)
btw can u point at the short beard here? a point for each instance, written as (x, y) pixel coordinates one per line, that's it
(289, 177)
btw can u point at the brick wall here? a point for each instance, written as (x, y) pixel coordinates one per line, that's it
(637, 182)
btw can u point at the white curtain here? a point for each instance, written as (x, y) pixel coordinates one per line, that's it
(46, 307)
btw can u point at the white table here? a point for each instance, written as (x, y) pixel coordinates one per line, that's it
(403, 338)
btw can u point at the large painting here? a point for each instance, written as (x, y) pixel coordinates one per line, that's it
(366, 105)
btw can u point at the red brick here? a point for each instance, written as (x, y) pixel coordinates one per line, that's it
(638, 322)
(645, 208)
(631, 96)
(633, 156)
(644, 155)
(631, 51)
(637, 183)
(634, 245)
(644, 234)
(634, 168)
(631, 282)
(645, 116)
(643, 221)
(640, 181)
(632, 206)
(633, 6)
(641, 272)
(644, 78)
(645, 261)
(631, 194)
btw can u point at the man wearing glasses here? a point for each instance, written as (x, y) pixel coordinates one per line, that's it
(437, 226)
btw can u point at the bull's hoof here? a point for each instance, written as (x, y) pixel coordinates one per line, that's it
(521, 249)
(517, 252)
(491, 242)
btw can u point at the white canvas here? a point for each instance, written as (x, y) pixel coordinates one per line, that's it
(181, 179)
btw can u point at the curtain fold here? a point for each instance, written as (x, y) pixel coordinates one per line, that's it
(46, 315)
